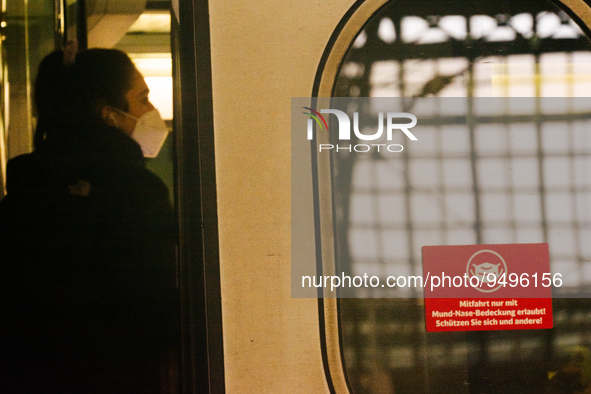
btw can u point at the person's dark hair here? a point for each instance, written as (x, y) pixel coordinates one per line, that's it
(49, 95)
(100, 77)
(69, 97)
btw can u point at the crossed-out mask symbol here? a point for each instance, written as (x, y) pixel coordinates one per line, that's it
(488, 267)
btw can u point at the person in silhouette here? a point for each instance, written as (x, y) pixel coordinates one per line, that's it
(89, 300)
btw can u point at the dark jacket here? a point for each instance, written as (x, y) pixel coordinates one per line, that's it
(87, 259)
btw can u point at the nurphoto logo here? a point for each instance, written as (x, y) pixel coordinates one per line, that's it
(344, 132)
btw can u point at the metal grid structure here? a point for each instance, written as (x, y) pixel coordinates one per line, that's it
(492, 180)
(510, 179)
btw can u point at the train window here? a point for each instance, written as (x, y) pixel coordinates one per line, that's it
(507, 182)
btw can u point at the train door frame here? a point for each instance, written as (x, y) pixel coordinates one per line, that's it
(196, 200)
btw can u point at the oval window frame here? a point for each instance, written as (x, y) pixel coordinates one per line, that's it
(345, 33)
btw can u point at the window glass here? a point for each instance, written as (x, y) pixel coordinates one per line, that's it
(29, 35)
(509, 182)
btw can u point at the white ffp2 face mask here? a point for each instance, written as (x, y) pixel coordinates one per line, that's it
(150, 132)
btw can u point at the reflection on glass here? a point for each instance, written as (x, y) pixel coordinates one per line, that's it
(515, 181)
(29, 35)
(3, 102)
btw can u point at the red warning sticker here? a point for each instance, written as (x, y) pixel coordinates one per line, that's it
(488, 287)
